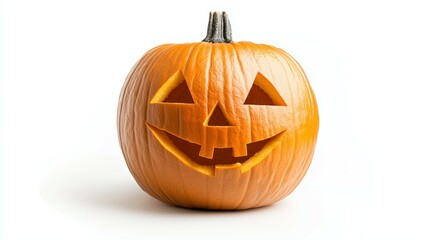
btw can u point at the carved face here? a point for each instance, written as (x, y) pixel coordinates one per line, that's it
(200, 121)
(224, 131)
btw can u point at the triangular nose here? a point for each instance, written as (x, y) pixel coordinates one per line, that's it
(217, 118)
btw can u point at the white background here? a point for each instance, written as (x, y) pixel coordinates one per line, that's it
(63, 64)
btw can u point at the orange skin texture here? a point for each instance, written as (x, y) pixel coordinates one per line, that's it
(218, 74)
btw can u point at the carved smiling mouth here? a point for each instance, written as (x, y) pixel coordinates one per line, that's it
(188, 152)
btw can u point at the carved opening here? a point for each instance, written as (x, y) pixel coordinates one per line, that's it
(180, 94)
(174, 90)
(263, 93)
(221, 155)
(217, 118)
(188, 152)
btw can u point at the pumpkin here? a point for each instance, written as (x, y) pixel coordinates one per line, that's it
(217, 124)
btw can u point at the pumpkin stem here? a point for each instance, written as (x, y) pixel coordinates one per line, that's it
(219, 30)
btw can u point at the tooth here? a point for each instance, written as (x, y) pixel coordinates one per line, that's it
(240, 151)
(207, 151)
(227, 170)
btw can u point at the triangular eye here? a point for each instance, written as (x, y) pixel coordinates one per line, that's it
(174, 90)
(263, 93)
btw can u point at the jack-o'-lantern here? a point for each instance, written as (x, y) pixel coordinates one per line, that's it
(217, 124)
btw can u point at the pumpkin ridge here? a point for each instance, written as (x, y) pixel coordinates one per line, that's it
(272, 74)
(135, 169)
(308, 159)
(293, 154)
(152, 62)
